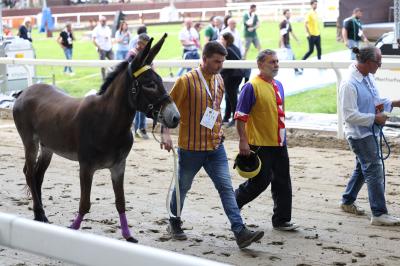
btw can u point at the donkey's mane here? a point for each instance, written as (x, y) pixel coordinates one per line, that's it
(111, 76)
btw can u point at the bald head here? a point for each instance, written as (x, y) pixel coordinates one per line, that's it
(232, 23)
(103, 20)
(188, 22)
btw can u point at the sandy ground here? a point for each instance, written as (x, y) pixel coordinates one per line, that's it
(320, 166)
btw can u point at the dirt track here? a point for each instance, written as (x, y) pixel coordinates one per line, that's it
(319, 173)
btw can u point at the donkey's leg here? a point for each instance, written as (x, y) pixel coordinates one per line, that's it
(31, 144)
(41, 167)
(86, 177)
(117, 176)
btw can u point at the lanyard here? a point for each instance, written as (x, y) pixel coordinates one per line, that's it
(207, 88)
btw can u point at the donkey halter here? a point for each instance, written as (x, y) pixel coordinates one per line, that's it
(150, 107)
(141, 70)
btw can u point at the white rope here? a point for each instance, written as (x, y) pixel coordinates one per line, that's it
(171, 187)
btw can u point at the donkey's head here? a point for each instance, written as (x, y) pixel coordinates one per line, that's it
(148, 93)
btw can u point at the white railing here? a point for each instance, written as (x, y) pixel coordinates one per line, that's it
(275, 7)
(334, 65)
(82, 248)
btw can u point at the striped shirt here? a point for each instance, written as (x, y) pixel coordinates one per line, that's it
(261, 107)
(192, 99)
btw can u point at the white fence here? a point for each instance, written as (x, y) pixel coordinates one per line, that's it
(300, 7)
(82, 248)
(336, 66)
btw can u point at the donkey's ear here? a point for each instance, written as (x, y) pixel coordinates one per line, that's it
(155, 49)
(138, 60)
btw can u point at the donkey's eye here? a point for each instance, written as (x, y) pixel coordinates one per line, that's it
(150, 85)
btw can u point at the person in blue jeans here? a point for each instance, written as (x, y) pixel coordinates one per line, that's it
(140, 118)
(363, 109)
(140, 125)
(65, 39)
(198, 96)
(190, 40)
(122, 37)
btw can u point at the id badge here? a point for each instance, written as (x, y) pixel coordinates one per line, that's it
(209, 118)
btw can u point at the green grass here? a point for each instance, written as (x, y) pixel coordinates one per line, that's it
(89, 78)
(314, 101)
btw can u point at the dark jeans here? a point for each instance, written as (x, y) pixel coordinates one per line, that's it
(103, 54)
(231, 92)
(313, 41)
(274, 170)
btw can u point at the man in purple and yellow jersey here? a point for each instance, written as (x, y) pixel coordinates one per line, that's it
(260, 122)
(198, 95)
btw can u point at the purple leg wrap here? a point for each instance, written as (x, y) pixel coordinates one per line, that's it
(77, 222)
(124, 226)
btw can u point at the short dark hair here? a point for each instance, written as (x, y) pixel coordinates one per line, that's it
(253, 6)
(365, 53)
(357, 9)
(285, 11)
(228, 37)
(141, 29)
(212, 48)
(263, 54)
(313, 1)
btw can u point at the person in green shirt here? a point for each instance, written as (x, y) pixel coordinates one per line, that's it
(213, 30)
(251, 23)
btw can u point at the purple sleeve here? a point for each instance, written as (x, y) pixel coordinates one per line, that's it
(246, 101)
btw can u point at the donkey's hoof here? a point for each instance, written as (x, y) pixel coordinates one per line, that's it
(132, 239)
(42, 219)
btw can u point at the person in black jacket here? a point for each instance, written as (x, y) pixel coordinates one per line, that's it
(25, 29)
(232, 77)
(65, 40)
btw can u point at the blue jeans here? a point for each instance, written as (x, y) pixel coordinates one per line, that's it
(121, 54)
(187, 55)
(215, 163)
(352, 43)
(140, 120)
(68, 56)
(368, 169)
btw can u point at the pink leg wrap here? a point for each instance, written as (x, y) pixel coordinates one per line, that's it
(77, 222)
(124, 226)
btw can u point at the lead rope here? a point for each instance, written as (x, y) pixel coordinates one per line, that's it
(174, 177)
(379, 147)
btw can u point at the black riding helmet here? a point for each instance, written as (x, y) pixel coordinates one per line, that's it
(247, 166)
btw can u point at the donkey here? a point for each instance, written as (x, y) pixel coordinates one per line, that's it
(95, 130)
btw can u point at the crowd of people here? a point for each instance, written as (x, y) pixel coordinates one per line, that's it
(258, 113)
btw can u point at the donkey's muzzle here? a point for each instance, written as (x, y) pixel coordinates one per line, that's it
(170, 116)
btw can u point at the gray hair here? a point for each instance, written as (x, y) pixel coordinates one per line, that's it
(219, 18)
(367, 52)
(263, 54)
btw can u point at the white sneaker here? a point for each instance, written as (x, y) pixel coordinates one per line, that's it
(352, 208)
(385, 219)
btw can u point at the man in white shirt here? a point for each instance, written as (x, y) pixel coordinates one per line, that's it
(363, 112)
(236, 35)
(101, 36)
(190, 41)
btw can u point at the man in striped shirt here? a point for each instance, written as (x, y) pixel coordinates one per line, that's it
(260, 122)
(198, 95)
